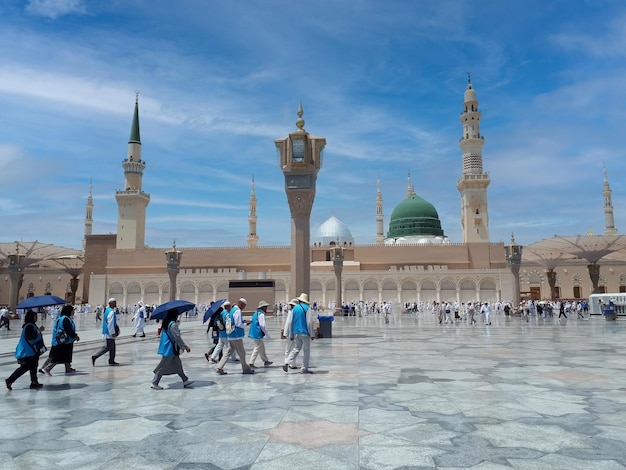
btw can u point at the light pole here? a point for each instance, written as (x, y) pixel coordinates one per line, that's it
(300, 158)
(514, 259)
(173, 257)
(338, 256)
(16, 274)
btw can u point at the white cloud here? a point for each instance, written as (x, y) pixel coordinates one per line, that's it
(606, 42)
(54, 9)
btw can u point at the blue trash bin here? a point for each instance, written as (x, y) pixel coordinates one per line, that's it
(609, 314)
(326, 326)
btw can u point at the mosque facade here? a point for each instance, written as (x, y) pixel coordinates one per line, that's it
(413, 261)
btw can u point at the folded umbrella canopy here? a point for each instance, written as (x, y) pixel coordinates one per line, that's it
(40, 301)
(181, 306)
(212, 309)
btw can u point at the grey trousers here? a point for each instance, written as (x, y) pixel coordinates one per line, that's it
(110, 347)
(235, 345)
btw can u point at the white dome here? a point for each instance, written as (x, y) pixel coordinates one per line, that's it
(333, 231)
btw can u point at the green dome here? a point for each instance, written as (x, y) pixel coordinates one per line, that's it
(414, 217)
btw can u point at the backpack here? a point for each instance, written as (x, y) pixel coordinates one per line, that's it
(229, 326)
(219, 324)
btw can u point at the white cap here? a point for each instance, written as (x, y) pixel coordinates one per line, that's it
(112, 299)
(243, 301)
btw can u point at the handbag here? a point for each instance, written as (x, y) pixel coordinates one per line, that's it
(62, 337)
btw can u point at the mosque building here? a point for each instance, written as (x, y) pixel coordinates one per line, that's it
(413, 261)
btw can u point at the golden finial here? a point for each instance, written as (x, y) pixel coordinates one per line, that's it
(300, 121)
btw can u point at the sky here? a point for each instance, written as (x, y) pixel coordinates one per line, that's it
(383, 82)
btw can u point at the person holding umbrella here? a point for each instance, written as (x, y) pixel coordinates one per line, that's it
(169, 348)
(110, 331)
(63, 338)
(216, 324)
(29, 348)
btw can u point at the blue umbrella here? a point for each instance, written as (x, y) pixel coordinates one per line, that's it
(181, 306)
(40, 301)
(212, 309)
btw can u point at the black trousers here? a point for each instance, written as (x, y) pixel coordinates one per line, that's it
(27, 364)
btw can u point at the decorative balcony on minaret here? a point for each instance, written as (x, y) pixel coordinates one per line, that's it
(132, 201)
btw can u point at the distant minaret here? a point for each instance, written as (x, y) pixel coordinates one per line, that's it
(609, 222)
(88, 214)
(473, 183)
(410, 190)
(132, 201)
(253, 238)
(380, 230)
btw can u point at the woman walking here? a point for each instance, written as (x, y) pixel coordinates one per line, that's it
(63, 338)
(169, 347)
(29, 348)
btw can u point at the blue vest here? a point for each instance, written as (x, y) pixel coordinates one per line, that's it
(299, 319)
(167, 345)
(222, 333)
(255, 331)
(105, 321)
(26, 348)
(239, 331)
(58, 326)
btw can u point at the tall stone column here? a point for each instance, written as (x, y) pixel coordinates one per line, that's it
(74, 288)
(513, 253)
(173, 257)
(594, 275)
(337, 253)
(16, 275)
(300, 158)
(551, 274)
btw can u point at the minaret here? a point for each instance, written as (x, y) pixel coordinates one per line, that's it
(253, 238)
(132, 201)
(88, 214)
(380, 230)
(473, 183)
(410, 190)
(609, 221)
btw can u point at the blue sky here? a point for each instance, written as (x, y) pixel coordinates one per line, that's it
(383, 82)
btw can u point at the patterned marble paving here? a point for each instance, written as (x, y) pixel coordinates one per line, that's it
(410, 394)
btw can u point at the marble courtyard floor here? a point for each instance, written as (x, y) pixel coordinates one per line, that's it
(408, 394)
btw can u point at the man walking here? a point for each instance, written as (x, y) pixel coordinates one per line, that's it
(257, 332)
(4, 317)
(235, 338)
(486, 311)
(110, 331)
(299, 329)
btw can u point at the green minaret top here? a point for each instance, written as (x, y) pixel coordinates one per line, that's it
(134, 128)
